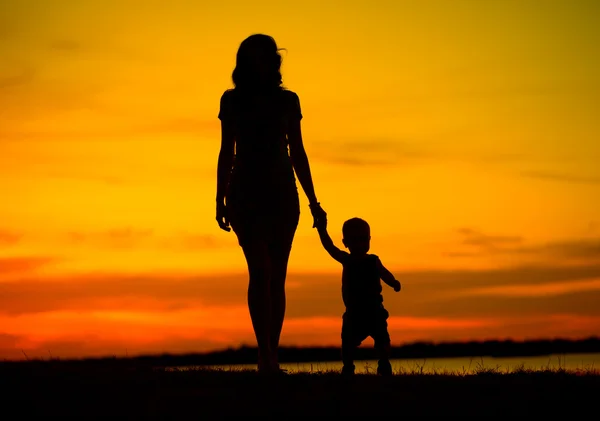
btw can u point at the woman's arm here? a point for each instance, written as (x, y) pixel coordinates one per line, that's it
(227, 150)
(300, 160)
(225, 160)
(224, 165)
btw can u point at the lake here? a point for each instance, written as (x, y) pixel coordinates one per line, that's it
(467, 365)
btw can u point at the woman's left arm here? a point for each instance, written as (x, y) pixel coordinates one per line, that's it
(225, 162)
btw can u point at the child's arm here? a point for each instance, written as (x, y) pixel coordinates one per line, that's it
(388, 277)
(333, 251)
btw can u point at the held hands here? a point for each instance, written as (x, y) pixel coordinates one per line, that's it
(319, 216)
(397, 286)
(321, 223)
(222, 216)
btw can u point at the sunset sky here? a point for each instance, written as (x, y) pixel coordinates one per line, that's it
(466, 132)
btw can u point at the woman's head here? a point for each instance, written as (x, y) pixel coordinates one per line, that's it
(258, 64)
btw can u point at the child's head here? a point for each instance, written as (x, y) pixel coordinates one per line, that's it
(356, 235)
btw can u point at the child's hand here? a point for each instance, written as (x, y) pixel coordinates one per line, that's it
(397, 287)
(318, 213)
(321, 223)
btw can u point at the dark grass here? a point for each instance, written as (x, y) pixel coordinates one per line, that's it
(55, 391)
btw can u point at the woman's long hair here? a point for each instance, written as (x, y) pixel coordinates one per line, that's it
(258, 51)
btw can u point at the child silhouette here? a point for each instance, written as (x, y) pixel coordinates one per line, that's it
(361, 292)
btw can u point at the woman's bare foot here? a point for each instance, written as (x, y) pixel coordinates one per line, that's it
(265, 361)
(270, 366)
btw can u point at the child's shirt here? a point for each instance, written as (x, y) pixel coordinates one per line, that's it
(361, 283)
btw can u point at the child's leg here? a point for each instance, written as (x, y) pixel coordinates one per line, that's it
(348, 358)
(350, 342)
(382, 341)
(384, 367)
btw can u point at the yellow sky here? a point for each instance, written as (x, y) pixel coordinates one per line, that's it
(465, 132)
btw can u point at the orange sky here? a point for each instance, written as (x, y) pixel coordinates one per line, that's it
(465, 132)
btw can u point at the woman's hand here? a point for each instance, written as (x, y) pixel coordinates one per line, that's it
(319, 215)
(222, 216)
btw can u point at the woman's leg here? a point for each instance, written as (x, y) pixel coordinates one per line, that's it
(259, 298)
(279, 261)
(279, 253)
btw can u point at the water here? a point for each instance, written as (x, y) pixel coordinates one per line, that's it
(462, 365)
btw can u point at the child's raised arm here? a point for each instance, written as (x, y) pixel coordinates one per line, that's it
(388, 277)
(333, 251)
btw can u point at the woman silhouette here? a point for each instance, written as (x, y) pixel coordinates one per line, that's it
(256, 188)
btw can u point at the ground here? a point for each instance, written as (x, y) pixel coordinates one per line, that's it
(54, 391)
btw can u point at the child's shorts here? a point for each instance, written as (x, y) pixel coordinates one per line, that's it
(358, 326)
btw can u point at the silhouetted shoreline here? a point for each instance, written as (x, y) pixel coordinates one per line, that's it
(418, 350)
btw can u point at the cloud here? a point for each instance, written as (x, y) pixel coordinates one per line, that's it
(22, 101)
(584, 249)
(111, 314)
(113, 177)
(9, 238)
(114, 292)
(537, 290)
(84, 344)
(306, 331)
(450, 293)
(581, 303)
(22, 265)
(193, 333)
(181, 125)
(561, 177)
(587, 249)
(368, 152)
(5, 32)
(115, 238)
(425, 293)
(192, 242)
(23, 77)
(8, 341)
(128, 237)
(488, 242)
(102, 47)
(363, 151)
(65, 45)
(93, 332)
(76, 347)
(79, 175)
